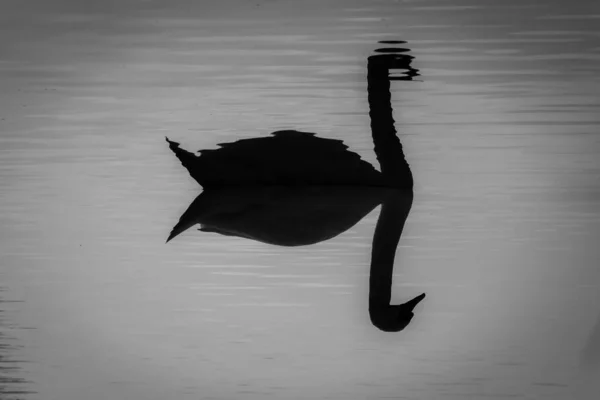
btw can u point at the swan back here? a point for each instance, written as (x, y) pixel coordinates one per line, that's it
(286, 158)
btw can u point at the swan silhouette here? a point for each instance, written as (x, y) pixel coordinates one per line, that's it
(293, 188)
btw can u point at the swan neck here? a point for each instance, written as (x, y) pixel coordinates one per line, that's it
(387, 145)
(390, 224)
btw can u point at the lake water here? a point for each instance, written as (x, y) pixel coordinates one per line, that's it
(502, 132)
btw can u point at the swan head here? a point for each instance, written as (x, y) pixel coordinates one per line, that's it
(394, 318)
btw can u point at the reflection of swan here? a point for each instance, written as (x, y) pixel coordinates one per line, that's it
(280, 215)
(294, 188)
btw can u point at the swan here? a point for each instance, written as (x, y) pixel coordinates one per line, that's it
(293, 188)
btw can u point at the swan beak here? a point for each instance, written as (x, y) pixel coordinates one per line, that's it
(410, 305)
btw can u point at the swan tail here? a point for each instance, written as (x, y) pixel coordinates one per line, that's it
(190, 161)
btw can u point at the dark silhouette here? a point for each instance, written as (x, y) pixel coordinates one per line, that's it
(293, 188)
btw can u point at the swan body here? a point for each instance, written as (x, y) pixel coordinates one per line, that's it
(286, 158)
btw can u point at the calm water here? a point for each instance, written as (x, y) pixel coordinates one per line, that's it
(502, 134)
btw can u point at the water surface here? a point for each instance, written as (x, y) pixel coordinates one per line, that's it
(501, 133)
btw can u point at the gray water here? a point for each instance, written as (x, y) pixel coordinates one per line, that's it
(502, 134)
